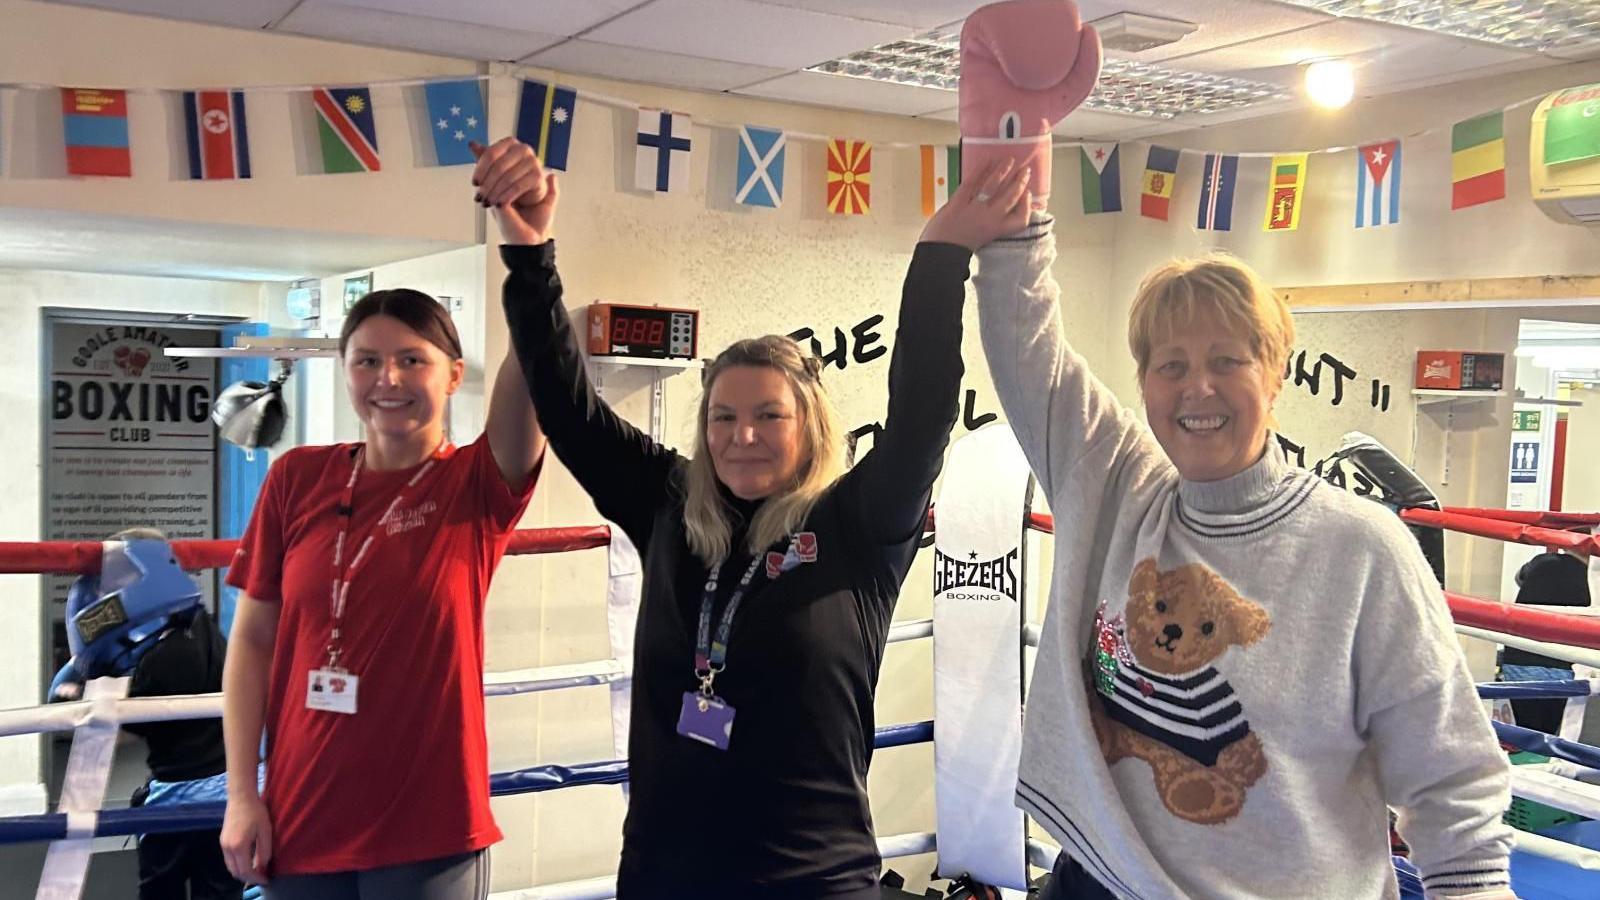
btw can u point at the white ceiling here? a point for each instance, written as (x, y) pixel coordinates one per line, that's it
(760, 48)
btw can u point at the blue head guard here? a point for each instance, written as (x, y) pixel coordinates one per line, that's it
(113, 618)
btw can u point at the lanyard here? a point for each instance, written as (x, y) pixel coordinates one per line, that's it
(344, 574)
(710, 656)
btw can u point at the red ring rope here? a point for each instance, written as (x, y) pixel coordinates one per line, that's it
(83, 557)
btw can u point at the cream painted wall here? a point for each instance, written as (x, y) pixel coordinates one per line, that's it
(23, 294)
(56, 44)
(1581, 488)
(750, 271)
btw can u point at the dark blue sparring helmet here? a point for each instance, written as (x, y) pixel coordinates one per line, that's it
(113, 618)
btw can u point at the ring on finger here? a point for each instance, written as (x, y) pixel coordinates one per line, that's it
(983, 197)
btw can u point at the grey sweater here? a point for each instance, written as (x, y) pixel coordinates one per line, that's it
(1235, 678)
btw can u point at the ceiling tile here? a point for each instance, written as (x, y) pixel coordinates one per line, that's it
(649, 66)
(925, 14)
(852, 93)
(562, 17)
(744, 31)
(1383, 55)
(390, 29)
(1222, 22)
(238, 13)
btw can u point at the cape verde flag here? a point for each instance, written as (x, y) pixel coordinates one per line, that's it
(1378, 184)
(1216, 193)
(214, 123)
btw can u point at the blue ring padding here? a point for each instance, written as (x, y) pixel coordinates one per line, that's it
(1547, 745)
(201, 816)
(1533, 690)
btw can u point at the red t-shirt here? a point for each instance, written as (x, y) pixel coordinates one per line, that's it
(407, 777)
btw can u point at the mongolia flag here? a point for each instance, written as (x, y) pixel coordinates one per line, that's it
(1378, 184)
(1216, 193)
(1160, 170)
(96, 125)
(941, 175)
(661, 162)
(544, 122)
(1101, 168)
(1478, 161)
(219, 146)
(346, 129)
(1286, 186)
(849, 177)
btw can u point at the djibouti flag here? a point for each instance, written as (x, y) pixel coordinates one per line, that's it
(1102, 178)
(941, 175)
(1572, 126)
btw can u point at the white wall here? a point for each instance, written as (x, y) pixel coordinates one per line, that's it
(752, 271)
(22, 296)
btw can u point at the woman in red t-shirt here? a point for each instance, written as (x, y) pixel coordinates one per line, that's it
(357, 644)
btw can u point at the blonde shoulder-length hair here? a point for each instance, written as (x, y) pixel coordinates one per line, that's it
(707, 516)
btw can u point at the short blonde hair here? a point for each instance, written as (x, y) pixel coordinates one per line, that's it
(1175, 295)
(707, 517)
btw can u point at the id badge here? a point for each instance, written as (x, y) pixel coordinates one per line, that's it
(332, 690)
(708, 720)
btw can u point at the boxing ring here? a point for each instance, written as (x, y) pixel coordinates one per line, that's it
(984, 516)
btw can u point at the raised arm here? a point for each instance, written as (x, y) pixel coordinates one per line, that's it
(891, 485)
(621, 468)
(1059, 410)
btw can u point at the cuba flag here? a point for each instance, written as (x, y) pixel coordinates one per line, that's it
(1378, 184)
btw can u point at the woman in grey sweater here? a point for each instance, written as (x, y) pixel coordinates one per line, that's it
(1241, 665)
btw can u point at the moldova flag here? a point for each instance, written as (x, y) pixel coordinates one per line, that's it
(1478, 161)
(1160, 170)
(96, 126)
(219, 147)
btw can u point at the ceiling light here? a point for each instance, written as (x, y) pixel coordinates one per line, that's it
(1330, 83)
(1131, 88)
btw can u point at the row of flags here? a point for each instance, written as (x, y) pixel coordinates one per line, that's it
(95, 124)
(1477, 162)
(96, 130)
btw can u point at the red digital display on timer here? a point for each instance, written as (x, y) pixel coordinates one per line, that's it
(617, 329)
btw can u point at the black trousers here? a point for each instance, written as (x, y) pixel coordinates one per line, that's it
(184, 865)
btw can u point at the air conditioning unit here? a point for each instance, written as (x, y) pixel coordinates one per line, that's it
(1132, 32)
(1567, 189)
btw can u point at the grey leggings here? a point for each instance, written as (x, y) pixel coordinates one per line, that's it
(461, 877)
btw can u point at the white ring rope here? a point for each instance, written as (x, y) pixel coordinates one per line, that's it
(1567, 652)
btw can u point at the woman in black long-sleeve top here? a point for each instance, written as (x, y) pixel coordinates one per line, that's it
(750, 783)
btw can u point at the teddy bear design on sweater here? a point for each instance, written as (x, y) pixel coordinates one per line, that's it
(1162, 699)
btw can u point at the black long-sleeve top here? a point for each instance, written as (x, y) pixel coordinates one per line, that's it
(783, 812)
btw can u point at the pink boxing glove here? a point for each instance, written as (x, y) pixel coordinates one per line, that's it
(1023, 63)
